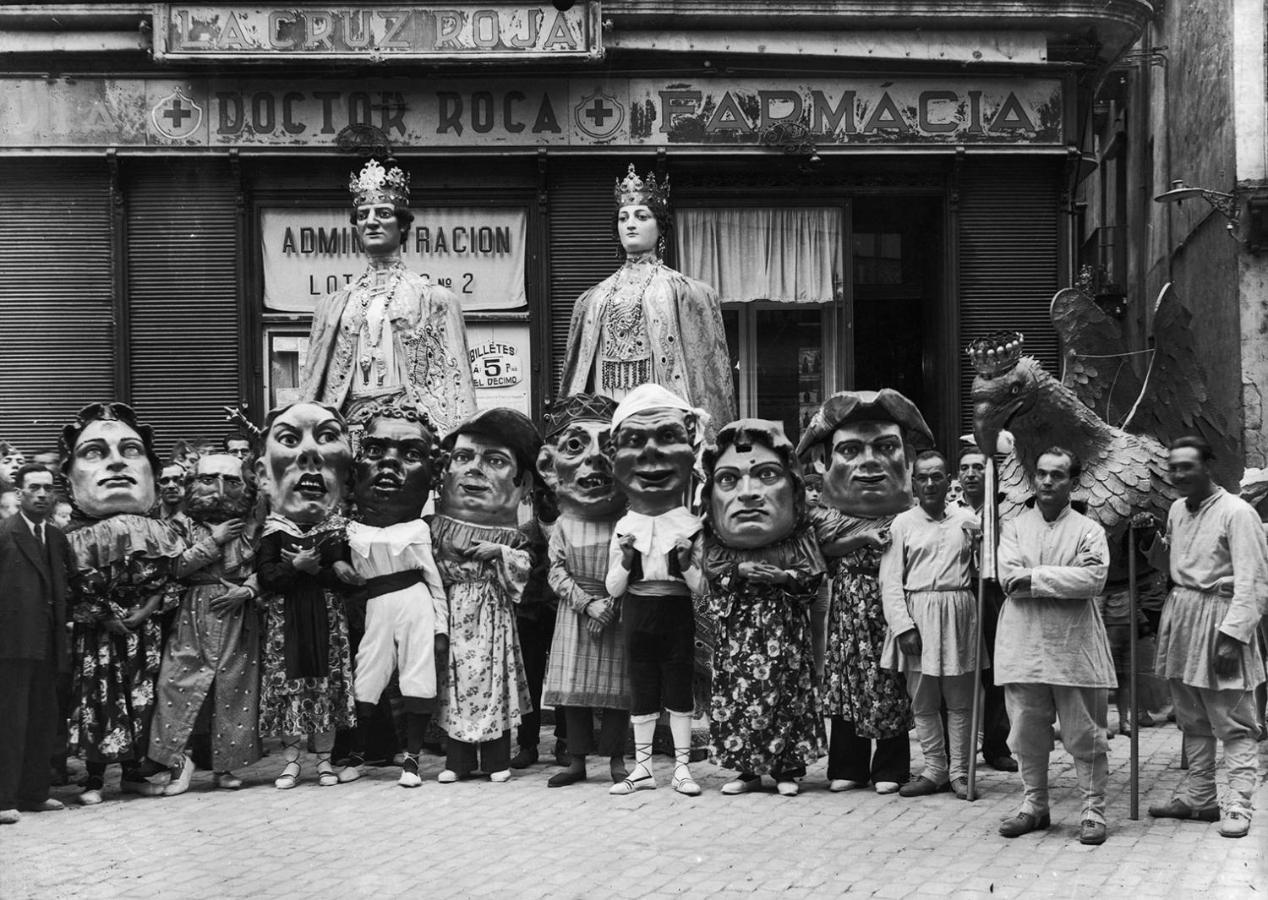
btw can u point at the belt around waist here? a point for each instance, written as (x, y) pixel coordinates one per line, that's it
(943, 590)
(868, 571)
(390, 583)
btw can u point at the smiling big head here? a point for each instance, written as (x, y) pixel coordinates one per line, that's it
(306, 460)
(110, 461)
(655, 436)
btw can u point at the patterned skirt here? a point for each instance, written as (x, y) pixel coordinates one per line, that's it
(293, 706)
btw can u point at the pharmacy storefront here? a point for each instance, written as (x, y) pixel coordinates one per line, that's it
(170, 230)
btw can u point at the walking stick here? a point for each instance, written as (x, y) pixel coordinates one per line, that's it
(1134, 738)
(977, 687)
(986, 564)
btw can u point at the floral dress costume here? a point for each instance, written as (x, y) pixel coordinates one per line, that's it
(485, 689)
(307, 686)
(123, 562)
(765, 715)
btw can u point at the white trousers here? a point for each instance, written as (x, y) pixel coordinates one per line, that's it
(400, 633)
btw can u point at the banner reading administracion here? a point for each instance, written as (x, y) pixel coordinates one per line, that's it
(476, 252)
(482, 114)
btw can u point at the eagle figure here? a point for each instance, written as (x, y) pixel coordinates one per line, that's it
(1116, 420)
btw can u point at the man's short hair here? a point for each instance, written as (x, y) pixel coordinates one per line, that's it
(19, 477)
(971, 450)
(1193, 442)
(1076, 464)
(233, 436)
(933, 454)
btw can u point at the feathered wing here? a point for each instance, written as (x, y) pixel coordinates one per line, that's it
(1177, 399)
(1014, 486)
(1095, 361)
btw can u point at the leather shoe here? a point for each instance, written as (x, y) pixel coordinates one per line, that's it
(922, 787)
(1178, 809)
(566, 777)
(960, 787)
(49, 805)
(1002, 763)
(1023, 823)
(10, 817)
(526, 757)
(1092, 832)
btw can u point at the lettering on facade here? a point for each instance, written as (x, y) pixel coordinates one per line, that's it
(561, 112)
(372, 31)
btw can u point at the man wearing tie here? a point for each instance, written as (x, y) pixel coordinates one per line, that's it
(34, 569)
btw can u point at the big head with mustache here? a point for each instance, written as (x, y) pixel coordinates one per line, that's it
(110, 462)
(392, 474)
(304, 470)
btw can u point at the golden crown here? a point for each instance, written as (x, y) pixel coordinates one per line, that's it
(997, 353)
(374, 184)
(634, 191)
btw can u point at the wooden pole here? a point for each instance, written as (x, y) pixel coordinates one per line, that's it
(1132, 608)
(977, 687)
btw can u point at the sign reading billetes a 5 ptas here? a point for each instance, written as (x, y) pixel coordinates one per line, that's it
(373, 32)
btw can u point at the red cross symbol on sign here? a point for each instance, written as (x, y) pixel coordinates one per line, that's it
(599, 115)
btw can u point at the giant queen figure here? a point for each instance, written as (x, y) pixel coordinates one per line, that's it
(648, 323)
(391, 333)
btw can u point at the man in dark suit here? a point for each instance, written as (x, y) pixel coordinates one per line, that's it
(35, 566)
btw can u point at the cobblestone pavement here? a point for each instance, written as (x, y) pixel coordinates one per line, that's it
(373, 839)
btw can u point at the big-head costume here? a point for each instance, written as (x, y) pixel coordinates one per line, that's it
(869, 439)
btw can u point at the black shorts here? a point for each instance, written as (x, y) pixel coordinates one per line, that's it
(660, 635)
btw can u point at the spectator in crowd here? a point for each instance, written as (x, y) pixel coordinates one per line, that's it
(171, 486)
(62, 510)
(35, 568)
(236, 444)
(1051, 652)
(11, 459)
(972, 477)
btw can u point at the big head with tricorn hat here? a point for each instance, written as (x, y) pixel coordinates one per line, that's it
(870, 439)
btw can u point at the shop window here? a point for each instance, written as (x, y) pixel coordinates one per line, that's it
(285, 353)
(778, 272)
(897, 249)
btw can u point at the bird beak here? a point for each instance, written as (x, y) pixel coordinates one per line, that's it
(985, 430)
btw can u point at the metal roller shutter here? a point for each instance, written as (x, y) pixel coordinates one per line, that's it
(583, 250)
(56, 316)
(1009, 258)
(182, 281)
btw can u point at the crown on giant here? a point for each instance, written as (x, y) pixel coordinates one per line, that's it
(375, 183)
(635, 191)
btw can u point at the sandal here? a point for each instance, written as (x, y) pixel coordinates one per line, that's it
(683, 782)
(326, 776)
(641, 779)
(289, 777)
(409, 772)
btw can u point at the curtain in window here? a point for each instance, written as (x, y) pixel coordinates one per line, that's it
(790, 255)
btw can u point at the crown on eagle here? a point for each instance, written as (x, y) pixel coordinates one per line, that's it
(374, 184)
(997, 353)
(634, 191)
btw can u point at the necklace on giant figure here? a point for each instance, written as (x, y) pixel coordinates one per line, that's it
(373, 360)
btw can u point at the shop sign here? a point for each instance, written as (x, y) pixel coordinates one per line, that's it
(476, 252)
(495, 365)
(501, 364)
(460, 30)
(482, 114)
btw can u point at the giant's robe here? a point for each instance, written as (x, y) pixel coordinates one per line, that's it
(429, 354)
(681, 322)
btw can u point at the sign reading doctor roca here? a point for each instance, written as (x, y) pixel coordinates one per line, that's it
(476, 252)
(725, 113)
(376, 31)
